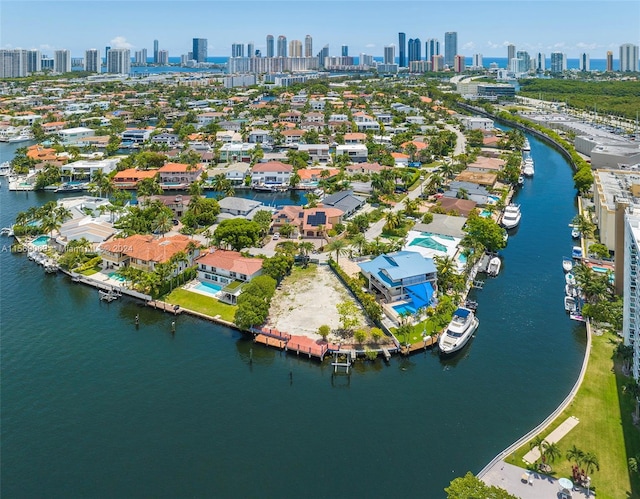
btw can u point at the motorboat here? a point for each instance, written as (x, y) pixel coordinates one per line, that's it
(570, 279)
(526, 146)
(5, 169)
(528, 170)
(521, 180)
(458, 332)
(570, 304)
(575, 233)
(567, 264)
(494, 266)
(511, 216)
(570, 290)
(576, 252)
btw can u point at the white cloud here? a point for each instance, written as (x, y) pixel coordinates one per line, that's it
(370, 45)
(586, 46)
(120, 42)
(469, 46)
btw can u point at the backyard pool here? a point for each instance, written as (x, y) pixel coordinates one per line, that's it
(116, 277)
(207, 287)
(485, 213)
(40, 241)
(405, 308)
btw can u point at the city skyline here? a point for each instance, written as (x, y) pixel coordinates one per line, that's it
(570, 26)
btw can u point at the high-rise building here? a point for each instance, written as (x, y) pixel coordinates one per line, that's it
(459, 64)
(631, 291)
(402, 47)
(119, 61)
(415, 49)
(437, 63)
(295, 48)
(366, 60)
(345, 51)
(629, 57)
(584, 63)
(322, 55)
(270, 45)
(558, 62)
(432, 47)
(390, 54)
(251, 49)
(539, 63)
(140, 57)
(156, 47)
(34, 61)
(609, 61)
(106, 53)
(281, 48)
(62, 61)
(308, 46)
(511, 54)
(237, 50)
(523, 62)
(200, 49)
(13, 63)
(163, 57)
(92, 62)
(477, 60)
(450, 47)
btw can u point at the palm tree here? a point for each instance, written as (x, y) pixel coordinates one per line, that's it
(625, 352)
(586, 227)
(305, 248)
(148, 187)
(392, 220)
(538, 443)
(196, 189)
(591, 462)
(576, 455)
(164, 221)
(359, 242)
(633, 389)
(338, 246)
(411, 206)
(447, 271)
(550, 452)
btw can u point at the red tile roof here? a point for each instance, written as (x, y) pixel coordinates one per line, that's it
(231, 261)
(272, 166)
(148, 248)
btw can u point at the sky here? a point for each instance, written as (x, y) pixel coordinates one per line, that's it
(366, 26)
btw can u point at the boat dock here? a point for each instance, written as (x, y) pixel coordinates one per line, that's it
(288, 342)
(429, 341)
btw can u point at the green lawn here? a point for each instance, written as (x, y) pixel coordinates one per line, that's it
(200, 303)
(605, 429)
(416, 334)
(91, 271)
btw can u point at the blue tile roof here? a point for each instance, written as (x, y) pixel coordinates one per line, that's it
(394, 267)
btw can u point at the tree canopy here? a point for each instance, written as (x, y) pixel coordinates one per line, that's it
(237, 233)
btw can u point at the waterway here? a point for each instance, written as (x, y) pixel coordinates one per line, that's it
(94, 407)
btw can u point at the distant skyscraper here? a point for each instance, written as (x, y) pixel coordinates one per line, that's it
(414, 49)
(511, 54)
(390, 54)
(251, 49)
(13, 63)
(609, 60)
(295, 48)
(34, 61)
(322, 55)
(458, 64)
(432, 47)
(106, 53)
(558, 62)
(119, 61)
(584, 62)
(282, 46)
(450, 47)
(62, 61)
(92, 62)
(540, 63)
(237, 50)
(523, 61)
(163, 57)
(140, 57)
(477, 60)
(270, 45)
(345, 51)
(402, 47)
(629, 57)
(308, 46)
(437, 63)
(156, 47)
(200, 49)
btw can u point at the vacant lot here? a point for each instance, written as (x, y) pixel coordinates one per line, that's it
(306, 300)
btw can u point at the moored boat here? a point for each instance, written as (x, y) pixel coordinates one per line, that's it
(459, 331)
(494, 266)
(570, 279)
(575, 233)
(567, 264)
(528, 170)
(570, 304)
(511, 216)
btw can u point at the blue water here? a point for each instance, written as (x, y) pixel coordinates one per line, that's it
(116, 276)
(405, 308)
(485, 213)
(208, 287)
(40, 241)
(94, 407)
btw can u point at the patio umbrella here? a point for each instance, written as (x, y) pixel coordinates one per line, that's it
(565, 484)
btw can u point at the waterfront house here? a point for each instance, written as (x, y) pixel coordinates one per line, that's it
(357, 153)
(345, 201)
(400, 276)
(135, 135)
(355, 138)
(86, 169)
(309, 222)
(236, 152)
(74, 135)
(229, 270)
(365, 168)
(317, 152)
(259, 136)
(272, 174)
(178, 175)
(145, 251)
(177, 203)
(293, 136)
(239, 207)
(168, 139)
(129, 178)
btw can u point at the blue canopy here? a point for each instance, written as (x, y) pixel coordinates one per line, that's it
(421, 294)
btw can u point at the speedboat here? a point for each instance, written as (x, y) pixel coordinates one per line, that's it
(567, 264)
(5, 169)
(526, 146)
(576, 252)
(570, 279)
(570, 304)
(494, 266)
(511, 216)
(528, 169)
(521, 180)
(575, 233)
(570, 290)
(458, 332)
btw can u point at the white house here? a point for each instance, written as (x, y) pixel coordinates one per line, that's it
(317, 152)
(357, 152)
(272, 173)
(84, 168)
(73, 135)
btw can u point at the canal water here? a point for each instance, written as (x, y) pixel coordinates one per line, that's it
(94, 407)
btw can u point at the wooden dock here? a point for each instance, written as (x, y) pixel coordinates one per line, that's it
(420, 345)
(270, 341)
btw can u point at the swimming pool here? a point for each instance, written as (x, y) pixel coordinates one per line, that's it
(485, 213)
(405, 308)
(207, 287)
(116, 277)
(462, 258)
(40, 241)
(492, 199)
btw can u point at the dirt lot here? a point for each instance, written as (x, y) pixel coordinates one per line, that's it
(306, 300)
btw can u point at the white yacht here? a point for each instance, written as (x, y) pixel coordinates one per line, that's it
(5, 169)
(526, 146)
(528, 170)
(459, 331)
(511, 216)
(494, 266)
